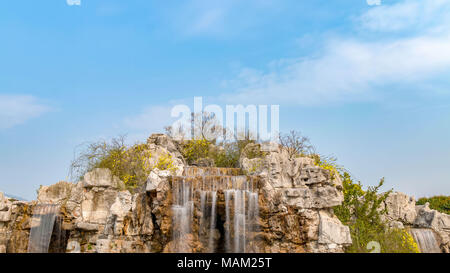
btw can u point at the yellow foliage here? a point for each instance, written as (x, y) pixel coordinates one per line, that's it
(195, 149)
(327, 164)
(165, 162)
(129, 165)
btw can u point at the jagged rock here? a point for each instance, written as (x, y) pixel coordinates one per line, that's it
(332, 231)
(401, 207)
(2, 249)
(5, 209)
(428, 218)
(55, 194)
(159, 152)
(102, 178)
(322, 197)
(96, 205)
(165, 142)
(3, 202)
(155, 178)
(86, 226)
(295, 191)
(122, 205)
(5, 216)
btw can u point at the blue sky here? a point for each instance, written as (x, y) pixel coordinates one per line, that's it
(368, 84)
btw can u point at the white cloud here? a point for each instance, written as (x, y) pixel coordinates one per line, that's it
(352, 69)
(406, 14)
(17, 109)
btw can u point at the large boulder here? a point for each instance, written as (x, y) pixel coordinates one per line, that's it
(55, 194)
(332, 231)
(102, 178)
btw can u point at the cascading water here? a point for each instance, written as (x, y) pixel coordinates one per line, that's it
(426, 240)
(182, 212)
(42, 224)
(212, 225)
(221, 204)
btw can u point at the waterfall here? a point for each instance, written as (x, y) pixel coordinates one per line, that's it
(426, 240)
(182, 215)
(42, 224)
(227, 221)
(207, 197)
(212, 225)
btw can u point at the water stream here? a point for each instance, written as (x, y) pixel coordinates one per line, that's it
(426, 240)
(42, 224)
(227, 205)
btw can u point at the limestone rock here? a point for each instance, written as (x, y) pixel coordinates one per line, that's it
(103, 246)
(73, 246)
(102, 178)
(5, 216)
(96, 205)
(3, 202)
(5, 209)
(122, 205)
(165, 142)
(322, 197)
(155, 178)
(55, 194)
(86, 226)
(332, 231)
(2, 249)
(429, 218)
(401, 207)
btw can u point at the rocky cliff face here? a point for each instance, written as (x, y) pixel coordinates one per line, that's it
(293, 199)
(296, 208)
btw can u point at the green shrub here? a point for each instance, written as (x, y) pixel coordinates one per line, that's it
(195, 149)
(362, 211)
(439, 203)
(329, 164)
(129, 164)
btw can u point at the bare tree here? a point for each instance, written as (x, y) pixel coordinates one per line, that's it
(296, 144)
(207, 126)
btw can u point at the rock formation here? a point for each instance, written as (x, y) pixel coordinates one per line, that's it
(274, 203)
(428, 227)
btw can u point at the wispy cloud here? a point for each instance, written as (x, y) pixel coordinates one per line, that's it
(220, 18)
(407, 15)
(17, 109)
(353, 68)
(152, 118)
